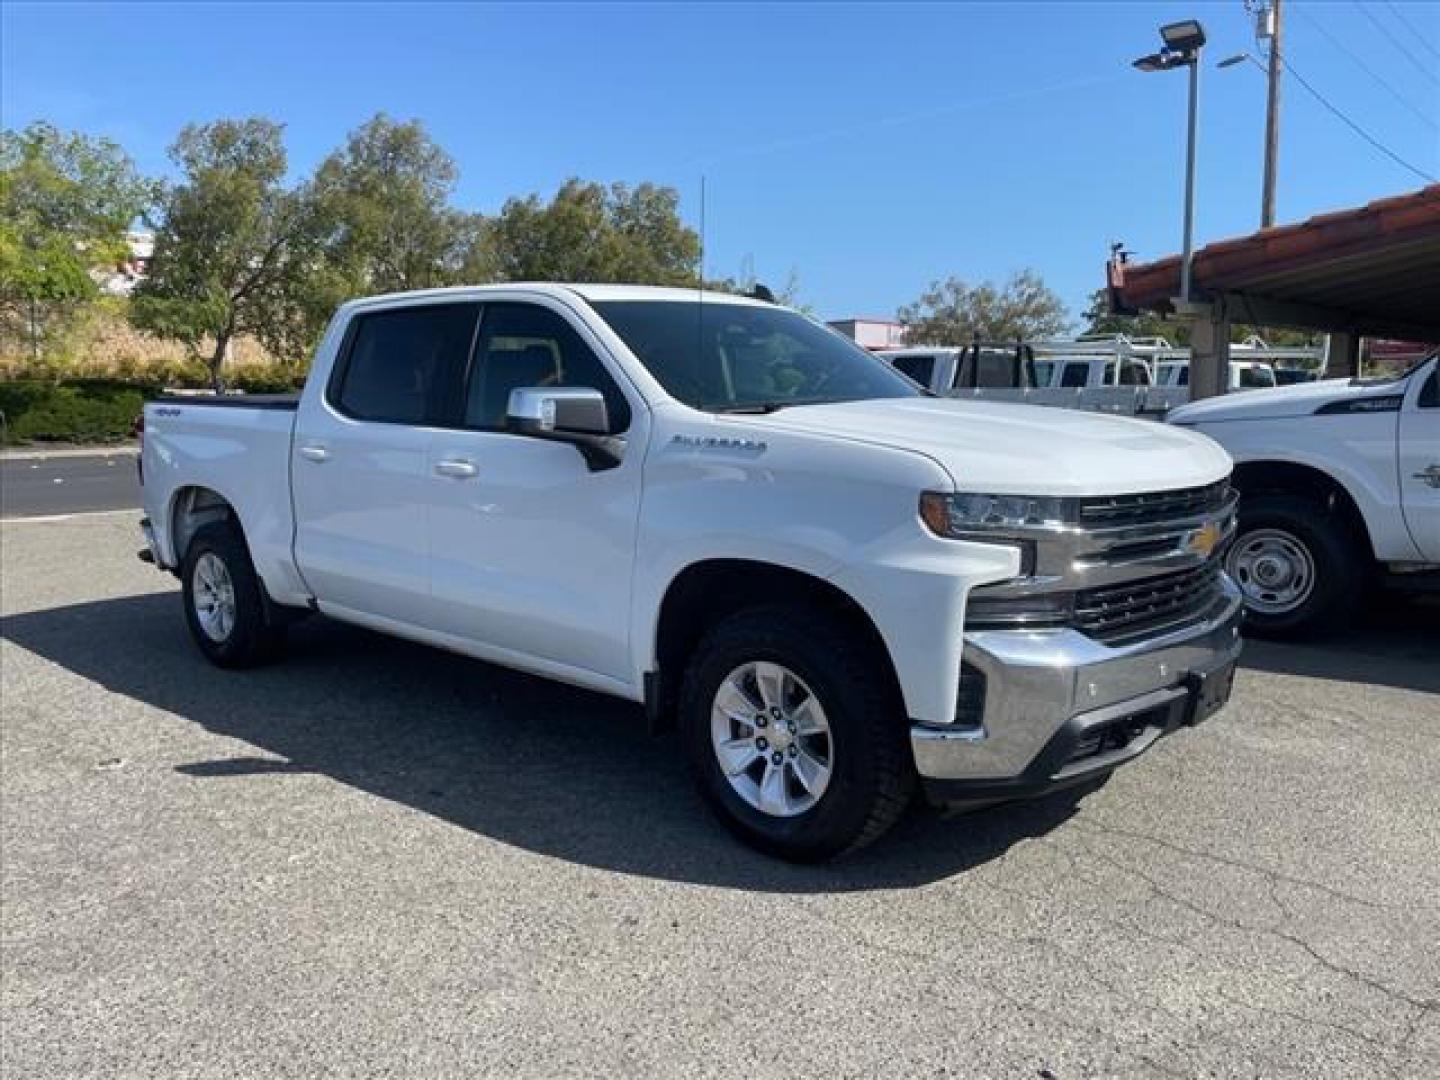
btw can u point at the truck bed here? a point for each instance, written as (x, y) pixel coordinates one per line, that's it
(287, 402)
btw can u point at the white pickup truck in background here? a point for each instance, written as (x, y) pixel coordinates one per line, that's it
(1340, 492)
(834, 585)
(1107, 373)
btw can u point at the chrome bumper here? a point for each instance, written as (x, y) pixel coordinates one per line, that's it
(1045, 689)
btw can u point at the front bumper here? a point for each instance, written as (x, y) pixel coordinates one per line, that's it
(1061, 708)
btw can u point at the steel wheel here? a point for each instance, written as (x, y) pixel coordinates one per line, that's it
(772, 739)
(1274, 570)
(214, 597)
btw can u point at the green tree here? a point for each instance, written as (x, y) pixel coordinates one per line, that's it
(592, 233)
(1099, 319)
(787, 294)
(66, 200)
(951, 312)
(385, 199)
(237, 252)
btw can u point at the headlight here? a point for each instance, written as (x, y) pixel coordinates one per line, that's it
(966, 515)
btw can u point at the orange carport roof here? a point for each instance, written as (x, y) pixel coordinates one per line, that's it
(1374, 268)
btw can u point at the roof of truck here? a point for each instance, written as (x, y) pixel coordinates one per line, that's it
(595, 292)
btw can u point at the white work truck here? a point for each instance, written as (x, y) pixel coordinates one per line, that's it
(1339, 492)
(838, 587)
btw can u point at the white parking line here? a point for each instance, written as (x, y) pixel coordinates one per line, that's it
(135, 512)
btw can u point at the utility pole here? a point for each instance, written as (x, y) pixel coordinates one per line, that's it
(1268, 25)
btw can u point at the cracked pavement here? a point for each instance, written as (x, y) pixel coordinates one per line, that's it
(378, 860)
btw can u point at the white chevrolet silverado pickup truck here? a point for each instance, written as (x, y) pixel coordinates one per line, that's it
(1339, 487)
(835, 585)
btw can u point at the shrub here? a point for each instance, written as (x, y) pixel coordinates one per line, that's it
(83, 411)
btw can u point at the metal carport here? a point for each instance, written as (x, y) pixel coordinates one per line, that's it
(1373, 271)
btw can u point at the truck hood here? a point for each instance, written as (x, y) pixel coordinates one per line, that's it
(1022, 449)
(1299, 399)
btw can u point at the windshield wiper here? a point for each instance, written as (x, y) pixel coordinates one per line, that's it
(755, 407)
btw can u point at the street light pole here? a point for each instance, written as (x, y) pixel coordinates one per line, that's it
(1272, 119)
(1187, 250)
(1184, 44)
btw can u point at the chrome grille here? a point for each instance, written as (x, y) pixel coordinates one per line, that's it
(1118, 510)
(1118, 612)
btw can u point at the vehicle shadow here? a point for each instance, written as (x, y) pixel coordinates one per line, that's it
(522, 760)
(1397, 644)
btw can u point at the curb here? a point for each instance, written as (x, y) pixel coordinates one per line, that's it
(48, 453)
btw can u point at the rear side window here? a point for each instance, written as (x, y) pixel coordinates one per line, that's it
(919, 368)
(525, 345)
(401, 366)
(1132, 374)
(997, 369)
(1075, 375)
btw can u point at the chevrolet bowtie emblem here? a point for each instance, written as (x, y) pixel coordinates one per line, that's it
(1203, 540)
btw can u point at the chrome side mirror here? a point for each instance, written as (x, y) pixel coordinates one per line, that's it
(573, 414)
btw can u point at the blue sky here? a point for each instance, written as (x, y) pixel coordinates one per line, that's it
(870, 148)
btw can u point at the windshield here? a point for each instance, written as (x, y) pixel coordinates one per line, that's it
(723, 357)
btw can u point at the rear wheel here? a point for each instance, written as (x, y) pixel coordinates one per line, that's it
(1299, 565)
(224, 605)
(794, 735)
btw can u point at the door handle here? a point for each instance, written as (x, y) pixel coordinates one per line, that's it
(314, 452)
(458, 468)
(1430, 475)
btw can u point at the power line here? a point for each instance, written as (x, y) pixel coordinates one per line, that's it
(1376, 143)
(1414, 30)
(1396, 94)
(1421, 64)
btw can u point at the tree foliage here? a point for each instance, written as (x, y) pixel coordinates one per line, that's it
(237, 252)
(66, 200)
(952, 312)
(1099, 319)
(592, 233)
(385, 196)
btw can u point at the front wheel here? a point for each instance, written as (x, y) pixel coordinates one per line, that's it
(1300, 567)
(794, 735)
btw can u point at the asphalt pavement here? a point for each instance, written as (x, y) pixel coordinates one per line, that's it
(40, 484)
(377, 860)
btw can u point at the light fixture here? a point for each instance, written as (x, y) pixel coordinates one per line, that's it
(1186, 36)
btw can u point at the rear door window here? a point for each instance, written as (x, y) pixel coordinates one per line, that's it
(403, 366)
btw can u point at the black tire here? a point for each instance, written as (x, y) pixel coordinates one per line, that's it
(873, 776)
(253, 639)
(1339, 556)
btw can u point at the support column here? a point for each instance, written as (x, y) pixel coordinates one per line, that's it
(1342, 355)
(1210, 353)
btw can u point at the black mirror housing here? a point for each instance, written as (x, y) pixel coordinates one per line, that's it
(574, 414)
